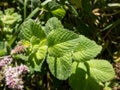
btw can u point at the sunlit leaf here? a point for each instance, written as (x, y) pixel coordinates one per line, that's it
(59, 13)
(86, 49)
(61, 41)
(37, 58)
(30, 28)
(101, 70)
(60, 67)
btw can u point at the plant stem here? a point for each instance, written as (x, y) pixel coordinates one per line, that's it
(33, 13)
(25, 8)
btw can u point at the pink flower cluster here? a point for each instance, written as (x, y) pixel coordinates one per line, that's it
(18, 49)
(13, 76)
(5, 60)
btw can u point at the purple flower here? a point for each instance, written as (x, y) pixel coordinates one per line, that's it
(13, 77)
(18, 49)
(5, 61)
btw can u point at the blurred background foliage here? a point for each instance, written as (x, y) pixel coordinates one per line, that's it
(97, 19)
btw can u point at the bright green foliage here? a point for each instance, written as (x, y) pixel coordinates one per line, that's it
(34, 64)
(34, 40)
(10, 17)
(90, 74)
(100, 70)
(29, 29)
(37, 54)
(67, 54)
(52, 24)
(86, 49)
(8, 22)
(60, 67)
(2, 48)
(59, 13)
(61, 41)
(41, 52)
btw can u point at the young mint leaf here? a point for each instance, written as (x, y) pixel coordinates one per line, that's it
(37, 58)
(10, 17)
(59, 13)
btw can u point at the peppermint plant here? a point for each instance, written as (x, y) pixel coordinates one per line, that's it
(67, 55)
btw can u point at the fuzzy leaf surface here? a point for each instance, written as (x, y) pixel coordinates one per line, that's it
(61, 41)
(101, 70)
(30, 28)
(86, 49)
(60, 67)
(52, 24)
